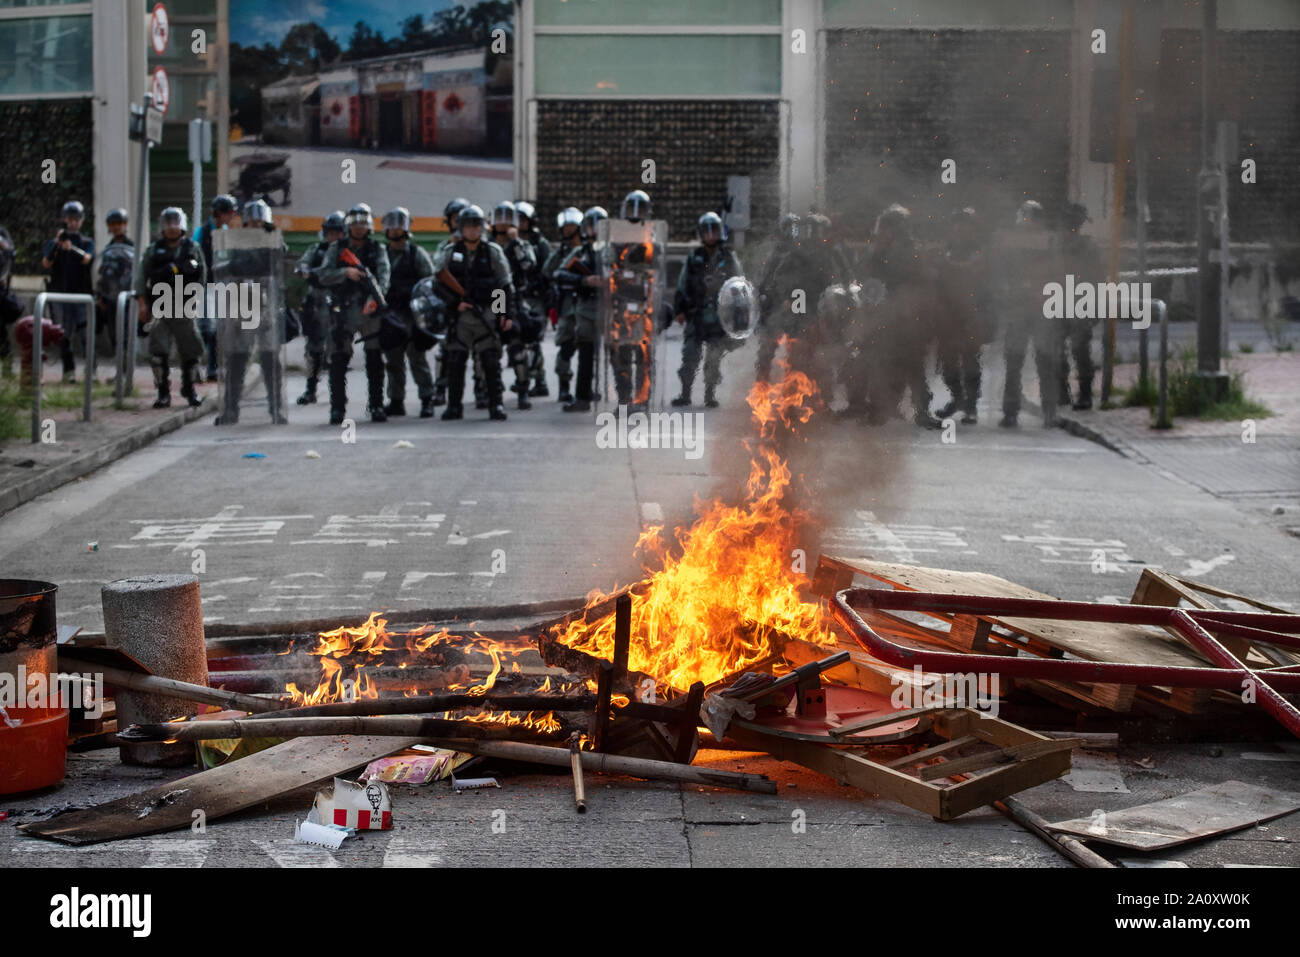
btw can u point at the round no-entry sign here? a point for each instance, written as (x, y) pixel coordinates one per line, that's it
(159, 29)
(160, 88)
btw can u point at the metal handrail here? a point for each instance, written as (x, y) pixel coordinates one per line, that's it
(124, 352)
(38, 316)
(1162, 400)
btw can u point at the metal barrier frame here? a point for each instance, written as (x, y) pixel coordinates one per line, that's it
(38, 360)
(124, 350)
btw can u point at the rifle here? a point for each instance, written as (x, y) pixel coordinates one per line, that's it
(348, 258)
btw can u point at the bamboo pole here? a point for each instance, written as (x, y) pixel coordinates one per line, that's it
(406, 725)
(613, 764)
(431, 704)
(172, 688)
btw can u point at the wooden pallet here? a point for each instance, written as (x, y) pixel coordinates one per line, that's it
(980, 759)
(1090, 641)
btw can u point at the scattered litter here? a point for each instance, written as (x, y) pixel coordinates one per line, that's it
(4, 716)
(254, 455)
(415, 769)
(1225, 807)
(312, 831)
(402, 444)
(92, 546)
(471, 784)
(366, 807)
(312, 454)
(4, 815)
(1147, 763)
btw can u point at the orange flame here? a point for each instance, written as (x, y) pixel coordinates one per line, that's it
(714, 607)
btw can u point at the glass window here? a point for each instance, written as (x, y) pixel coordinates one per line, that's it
(46, 55)
(630, 65)
(600, 13)
(8, 4)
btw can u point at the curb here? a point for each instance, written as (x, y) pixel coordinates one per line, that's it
(87, 462)
(1075, 427)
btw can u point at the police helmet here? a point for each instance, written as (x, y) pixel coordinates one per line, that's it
(74, 208)
(569, 216)
(360, 215)
(224, 203)
(590, 219)
(505, 212)
(116, 216)
(709, 226)
(636, 206)
(334, 220)
(399, 217)
(817, 226)
(173, 216)
(893, 218)
(257, 213)
(1074, 215)
(454, 207)
(526, 211)
(470, 215)
(1030, 212)
(789, 228)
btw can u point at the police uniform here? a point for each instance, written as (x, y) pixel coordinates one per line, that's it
(484, 275)
(577, 312)
(524, 337)
(238, 344)
(348, 319)
(702, 275)
(407, 266)
(316, 306)
(533, 298)
(162, 263)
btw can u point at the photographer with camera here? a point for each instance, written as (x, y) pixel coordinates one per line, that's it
(67, 257)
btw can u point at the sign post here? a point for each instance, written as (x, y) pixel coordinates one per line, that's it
(200, 153)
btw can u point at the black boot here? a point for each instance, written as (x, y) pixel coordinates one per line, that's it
(338, 390)
(710, 400)
(395, 409)
(565, 395)
(314, 362)
(236, 366)
(522, 391)
(455, 388)
(163, 383)
(426, 408)
(273, 376)
(493, 386)
(375, 385)
(190, 376)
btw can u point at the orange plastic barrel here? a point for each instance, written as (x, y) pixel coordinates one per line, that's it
(34, 721)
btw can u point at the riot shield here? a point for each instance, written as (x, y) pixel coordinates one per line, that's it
(246, 304)
(632, 294)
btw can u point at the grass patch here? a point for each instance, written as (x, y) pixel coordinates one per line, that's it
(16, 405)
(1193, 396)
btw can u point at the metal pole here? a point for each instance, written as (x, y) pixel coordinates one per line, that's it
(1226, 148)
(38, 316)
(1143, 130)
(1162, 403)
(1208, 354)
(90, 363)
(125, 361)
(142, 231)
(1123, 105)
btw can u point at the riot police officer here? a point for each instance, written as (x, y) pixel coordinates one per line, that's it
(450, 216)
(965, 322)
(634, 272)
(575, 279)
(1030, 266)
(173, 255)
(707, 267)
(774, 285)
(116, 273)
(524, 338)
(317, 302)
(355, 288)
(262, 266)
(408, 264)
(1078, 255)
(532, 298)
(481, 295)
(561, 299)
(224, 208)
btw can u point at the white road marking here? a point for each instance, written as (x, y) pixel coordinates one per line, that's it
(901, 542)
(226, 527)
(286, 852)
(1066, 550)
(1198, 569)
(412, 852)
(158, 851)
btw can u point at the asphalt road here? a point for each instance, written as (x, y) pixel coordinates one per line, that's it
(485, 513)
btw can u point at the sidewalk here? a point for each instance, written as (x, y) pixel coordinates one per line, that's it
(30, 469)
(1222, 457)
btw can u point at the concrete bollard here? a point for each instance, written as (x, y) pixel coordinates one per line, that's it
(158, 621)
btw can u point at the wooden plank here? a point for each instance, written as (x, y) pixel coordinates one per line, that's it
(880, 720)
(971, 633)
(1206, 812)
(956, 744)
(220, 791)
(987, 759)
